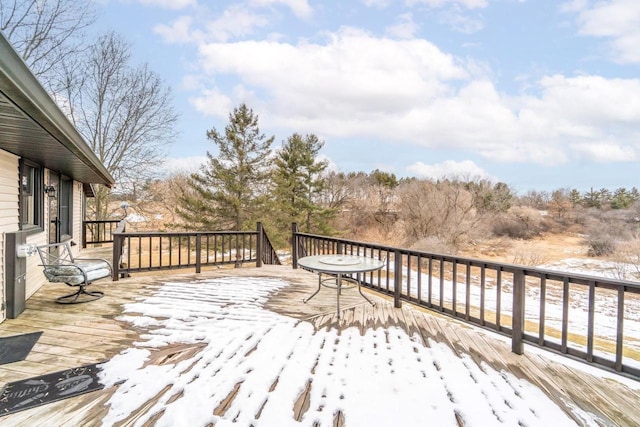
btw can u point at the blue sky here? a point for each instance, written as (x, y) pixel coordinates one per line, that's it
(538, 94)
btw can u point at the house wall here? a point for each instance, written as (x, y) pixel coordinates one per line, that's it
(78, 212)
(9, 222)
(8, 211)
(35, 276)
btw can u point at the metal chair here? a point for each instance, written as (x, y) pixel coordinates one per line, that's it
(60, 266)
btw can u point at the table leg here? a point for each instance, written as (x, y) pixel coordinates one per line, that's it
(316, 292)
(363, 295)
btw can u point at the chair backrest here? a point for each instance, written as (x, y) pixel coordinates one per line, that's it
(56, 254)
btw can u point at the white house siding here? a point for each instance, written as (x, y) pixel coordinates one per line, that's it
(35, 276)
(8, 210)
(9, 222)
(77, 216)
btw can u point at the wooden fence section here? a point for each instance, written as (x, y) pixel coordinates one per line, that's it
(592, 319)
(147, 251)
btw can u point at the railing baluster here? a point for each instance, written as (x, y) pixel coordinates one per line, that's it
(483, 281)
(430, 280)
(468, 292)
(498, 298)
(409, 277)
(419, 290)
(454, 287)
(441, 261)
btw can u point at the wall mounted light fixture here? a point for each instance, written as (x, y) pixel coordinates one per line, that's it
(50, 190)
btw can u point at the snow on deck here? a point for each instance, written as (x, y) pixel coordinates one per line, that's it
(257, 367)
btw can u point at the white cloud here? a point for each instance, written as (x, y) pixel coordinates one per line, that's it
(212, 102)
(170, 4)
(300, 8)
(616, 20)
(352, 72)
(462, 23)
(455, 13)
(449, 169)
(380, 4)
(607, 153)
(356, 85)
(184, 164)
(179, 31)
(235, 21)
(405, 28)
(573, 6)
(469, 4)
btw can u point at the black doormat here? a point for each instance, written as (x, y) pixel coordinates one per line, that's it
(17, 347)
(36, 391)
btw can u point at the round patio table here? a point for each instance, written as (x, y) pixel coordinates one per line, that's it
(338, 266)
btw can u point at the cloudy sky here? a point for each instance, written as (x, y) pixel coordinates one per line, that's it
(540, 94)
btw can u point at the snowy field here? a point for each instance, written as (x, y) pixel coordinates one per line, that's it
(273, 357)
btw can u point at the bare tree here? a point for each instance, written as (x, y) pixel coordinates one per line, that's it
(46, 32)
(442, 210)
(125, 113)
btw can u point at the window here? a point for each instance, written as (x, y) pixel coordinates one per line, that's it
(31, 196)
(65, 208)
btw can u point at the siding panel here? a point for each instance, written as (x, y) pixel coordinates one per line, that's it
(8, 210)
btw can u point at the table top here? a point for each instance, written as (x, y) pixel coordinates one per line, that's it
(340, 263)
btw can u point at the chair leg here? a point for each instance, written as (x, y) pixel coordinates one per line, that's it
(74, 298)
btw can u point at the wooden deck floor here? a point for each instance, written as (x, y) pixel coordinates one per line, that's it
(87, 333)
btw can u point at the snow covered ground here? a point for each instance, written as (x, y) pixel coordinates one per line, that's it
(273, 357)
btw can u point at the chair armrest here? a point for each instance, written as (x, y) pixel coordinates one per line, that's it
(96, 259)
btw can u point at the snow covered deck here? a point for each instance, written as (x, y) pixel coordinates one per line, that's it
(238, 347)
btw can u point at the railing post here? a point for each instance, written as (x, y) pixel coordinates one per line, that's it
(117, 251)
(84, 234)
(259, 245)
(397, 278)
(198, 253)
(294, 245)
(518, 321)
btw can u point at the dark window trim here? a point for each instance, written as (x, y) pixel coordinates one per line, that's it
(38, 197)
(66, 185)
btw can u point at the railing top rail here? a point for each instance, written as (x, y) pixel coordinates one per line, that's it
(101, 221)
(185, 233)
(576, 278)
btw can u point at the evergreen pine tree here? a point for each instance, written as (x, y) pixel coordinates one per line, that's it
(298, 181)
(229, 191)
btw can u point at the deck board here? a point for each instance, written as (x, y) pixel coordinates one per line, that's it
(90, 333)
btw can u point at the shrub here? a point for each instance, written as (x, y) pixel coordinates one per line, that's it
(518, 223)
(601, 245)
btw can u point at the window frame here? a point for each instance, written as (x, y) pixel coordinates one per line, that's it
(36, 190)
(65, 213)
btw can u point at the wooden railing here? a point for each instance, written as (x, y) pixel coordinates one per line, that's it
(147, 251)
(98, 232)
(592, 319)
